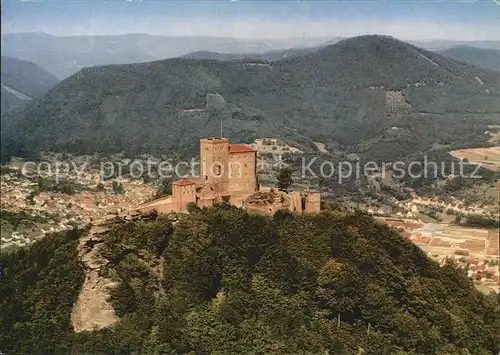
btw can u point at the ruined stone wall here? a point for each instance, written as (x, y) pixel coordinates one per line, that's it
(296, 201)
(267, 209)
(313, 202)
(167, 207)
(205, 202)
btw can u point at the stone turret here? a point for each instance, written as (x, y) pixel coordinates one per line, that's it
(183, 193)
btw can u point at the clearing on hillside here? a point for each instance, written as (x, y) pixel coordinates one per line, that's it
(488, 157)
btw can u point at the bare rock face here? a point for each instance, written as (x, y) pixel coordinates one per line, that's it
(214, 100)
(396, 103)
(92, 310)
(90, 253)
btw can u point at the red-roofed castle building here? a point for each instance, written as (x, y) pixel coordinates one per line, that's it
(228, 173)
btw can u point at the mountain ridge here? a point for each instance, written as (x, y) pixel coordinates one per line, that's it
(342, 91)
(22, 81)
(65, 55)
(486, 58)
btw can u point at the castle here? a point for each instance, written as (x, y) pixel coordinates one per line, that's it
(228, 173)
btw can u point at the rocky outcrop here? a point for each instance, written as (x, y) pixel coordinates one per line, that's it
(92, 310)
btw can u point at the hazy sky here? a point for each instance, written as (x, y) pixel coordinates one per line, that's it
(405, 19)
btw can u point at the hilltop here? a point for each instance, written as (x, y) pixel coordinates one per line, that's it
(22, 81)
(221, 280)
(352, 92)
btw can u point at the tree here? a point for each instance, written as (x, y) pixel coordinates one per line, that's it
(124, 298)
(165, 188)
(67, 188)
(117, 187)
(284, 178)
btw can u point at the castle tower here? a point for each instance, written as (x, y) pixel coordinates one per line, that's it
(214, 163)
(242, 168)
(313, 202)
(183, 193)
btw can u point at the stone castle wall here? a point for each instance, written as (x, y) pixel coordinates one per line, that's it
(313, 202)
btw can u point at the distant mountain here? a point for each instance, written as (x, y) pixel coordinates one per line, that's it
(207, 55)
(486, 58)
(441, 45)
(22, 81)
(471, 53)
(270, 56)
(353, 93)
(64, 56)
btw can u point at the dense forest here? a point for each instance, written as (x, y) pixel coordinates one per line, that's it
(225, 281)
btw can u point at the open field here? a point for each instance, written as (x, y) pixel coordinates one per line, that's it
(488, 157)
(446, 239)
(476, 248)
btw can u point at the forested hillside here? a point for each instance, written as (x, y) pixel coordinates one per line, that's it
(22, 81)
(224, 281)
(486, 58)
(268, 56)
(351, 93)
